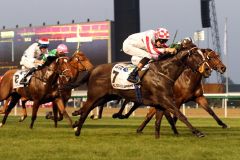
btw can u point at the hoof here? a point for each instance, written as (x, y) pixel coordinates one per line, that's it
(121, 117)
(75, 113)
(224, 126)
(22, 118)
(139, 132)
(1, 124)
(115, 115)
(77, 133)
(92, 116)
(48, 115)
(75, 124)
(198, 134)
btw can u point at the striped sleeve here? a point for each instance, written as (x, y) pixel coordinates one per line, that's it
(150, 46)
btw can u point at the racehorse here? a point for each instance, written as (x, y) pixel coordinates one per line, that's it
(78, 63)
(42, 87)
(188, 87)
(156, 89)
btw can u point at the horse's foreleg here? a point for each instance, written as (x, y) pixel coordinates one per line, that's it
(61, 108)
(34, 113)
(202, 101)
(159, 115)
(170, 107)
(148, 117)
(55, 114)
(100, 111)
(86, 109)
(171, 122)
(24, 112)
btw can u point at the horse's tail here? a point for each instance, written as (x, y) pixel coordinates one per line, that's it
(78, 83)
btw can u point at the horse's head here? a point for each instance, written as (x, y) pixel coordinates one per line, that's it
(80, 62)
(63, 70)
(194, 59)
(57, 68)
(214, 60)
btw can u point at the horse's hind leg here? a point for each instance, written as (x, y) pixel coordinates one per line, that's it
(149, 116)
(119, 113)
(134, 107)
(13, 102)
(202, 101)
(24, 112)
(5, 106)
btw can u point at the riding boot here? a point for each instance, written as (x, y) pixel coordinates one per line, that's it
(24, 80)
(133, 76)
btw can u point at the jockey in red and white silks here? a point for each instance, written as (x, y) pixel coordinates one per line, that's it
(144, 46)
(31, 56)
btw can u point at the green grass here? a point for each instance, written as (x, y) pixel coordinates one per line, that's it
(116, 139)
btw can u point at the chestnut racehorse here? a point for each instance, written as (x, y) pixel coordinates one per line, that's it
(156, 89)
(42, 87)
(78, 63)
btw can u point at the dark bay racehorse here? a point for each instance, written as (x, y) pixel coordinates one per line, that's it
(188, 87)
(77, 64)
(42, 87)
(156, 89)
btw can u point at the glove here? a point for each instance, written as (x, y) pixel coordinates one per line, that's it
(171, 50)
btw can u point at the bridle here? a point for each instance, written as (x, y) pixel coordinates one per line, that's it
(215, 56)
(201, 66)
(79, 61)
(65, 74)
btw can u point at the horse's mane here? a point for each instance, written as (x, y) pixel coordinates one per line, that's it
(49, 60)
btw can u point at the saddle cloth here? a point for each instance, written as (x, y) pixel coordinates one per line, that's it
(18, 76)
(119, 75)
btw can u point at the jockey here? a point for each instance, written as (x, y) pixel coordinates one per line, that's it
(32, 57)
(60, 51)
(145, 46)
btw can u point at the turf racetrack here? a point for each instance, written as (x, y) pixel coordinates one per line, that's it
(116, 139)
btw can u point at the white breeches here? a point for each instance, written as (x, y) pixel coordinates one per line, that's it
(133, 48)
(26, 63)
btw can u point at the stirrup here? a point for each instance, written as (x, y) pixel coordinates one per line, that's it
(135, 80)
(23, 81)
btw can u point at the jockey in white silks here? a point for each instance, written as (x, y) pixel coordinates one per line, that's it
(144, 46)
(32, 57)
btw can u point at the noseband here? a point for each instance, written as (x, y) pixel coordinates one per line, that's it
(80, 62)
(201, 66)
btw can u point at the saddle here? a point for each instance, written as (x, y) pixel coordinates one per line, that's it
(120, 73)
(18, 76)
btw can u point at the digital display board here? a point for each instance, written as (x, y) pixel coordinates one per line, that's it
(94, 39)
